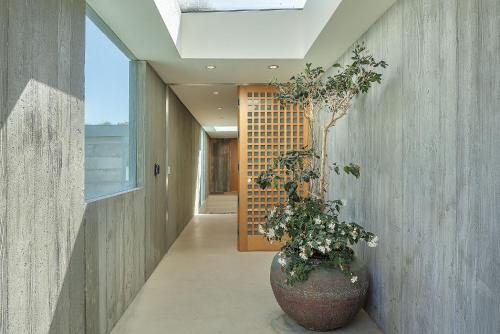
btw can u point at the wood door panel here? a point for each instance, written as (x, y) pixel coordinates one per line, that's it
(266, 129)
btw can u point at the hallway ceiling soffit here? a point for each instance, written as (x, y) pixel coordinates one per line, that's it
(241, 45)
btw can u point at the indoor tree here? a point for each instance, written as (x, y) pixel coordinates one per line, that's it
(311, 223)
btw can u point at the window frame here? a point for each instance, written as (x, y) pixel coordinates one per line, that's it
(133, 109)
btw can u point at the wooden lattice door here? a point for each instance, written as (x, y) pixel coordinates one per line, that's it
(266, 129)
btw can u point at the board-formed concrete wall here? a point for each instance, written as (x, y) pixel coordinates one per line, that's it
(184, 147)
(41, 166)
(67, 266)
(428, 143)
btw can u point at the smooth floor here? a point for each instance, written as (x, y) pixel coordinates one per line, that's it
(226, 203)
(204, 285)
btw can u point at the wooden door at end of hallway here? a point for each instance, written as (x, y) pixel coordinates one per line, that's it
(223, 165)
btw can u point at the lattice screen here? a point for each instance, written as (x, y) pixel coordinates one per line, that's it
(267, 129)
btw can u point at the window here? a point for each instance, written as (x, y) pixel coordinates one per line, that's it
(110, 150)
(189, 6)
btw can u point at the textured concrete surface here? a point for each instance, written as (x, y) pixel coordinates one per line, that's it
(184, 142)
(126, 235)
(41, 166)
(427, 141)
(155, 139)
(204, 285)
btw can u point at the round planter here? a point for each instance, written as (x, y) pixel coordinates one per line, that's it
(326, 300)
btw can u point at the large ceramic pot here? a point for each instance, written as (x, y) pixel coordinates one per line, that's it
(326, 300)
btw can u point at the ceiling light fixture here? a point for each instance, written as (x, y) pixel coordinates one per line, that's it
(219, 108)
(211, 67)
(225, 128)
(216, 93)
(273, 67)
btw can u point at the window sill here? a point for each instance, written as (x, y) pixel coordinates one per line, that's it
(104, 197)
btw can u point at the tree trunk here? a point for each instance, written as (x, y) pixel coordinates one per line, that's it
(322, 171)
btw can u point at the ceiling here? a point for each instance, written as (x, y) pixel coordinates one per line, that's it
(240, 44)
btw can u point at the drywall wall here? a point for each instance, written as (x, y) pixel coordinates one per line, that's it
(427, 141)
(184, 158)
(41, 165)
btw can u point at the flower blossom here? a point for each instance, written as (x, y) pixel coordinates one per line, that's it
(261, 229)
(288, 210)
(272, 213)
(317, 221)
(322, 249)
(270, 233)
(373, 242)
(282, 261)
(331, 226)
(354, 279)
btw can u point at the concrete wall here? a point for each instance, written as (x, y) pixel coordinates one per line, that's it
(114, 258)
(128, 234)
(66, 266)
(427, 141)
(156, 153)
(184, 151)
(41, 167)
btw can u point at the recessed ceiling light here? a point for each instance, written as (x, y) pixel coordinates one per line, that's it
(219, 108)
(211, 67)
(216, 93)
(273, 67)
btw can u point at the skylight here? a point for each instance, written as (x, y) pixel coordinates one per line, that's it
(193, 6)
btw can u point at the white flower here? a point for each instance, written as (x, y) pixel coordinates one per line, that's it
(328, 242)
(288, 210)
(261, 229)
(310, 244)
(343, 232)
(354, 279)
(292, 273)
(331, 226)
(270, 233)
(373, 242)
(303, 255)
(322, 249)
(282, 261)
(328, 249)
(273, 212)
(283, 226)
(354, 234)
(287, 219)
(317, 221)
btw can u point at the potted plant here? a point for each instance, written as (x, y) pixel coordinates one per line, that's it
(316, 278)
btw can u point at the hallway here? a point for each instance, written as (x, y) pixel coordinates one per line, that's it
(204, 285)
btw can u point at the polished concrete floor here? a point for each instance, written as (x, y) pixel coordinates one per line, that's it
(226, 203)
(204, 285)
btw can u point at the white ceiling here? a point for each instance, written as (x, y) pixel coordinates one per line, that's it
(240, 44)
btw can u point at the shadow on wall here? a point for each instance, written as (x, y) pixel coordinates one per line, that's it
(41, 187)
(69, 312)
